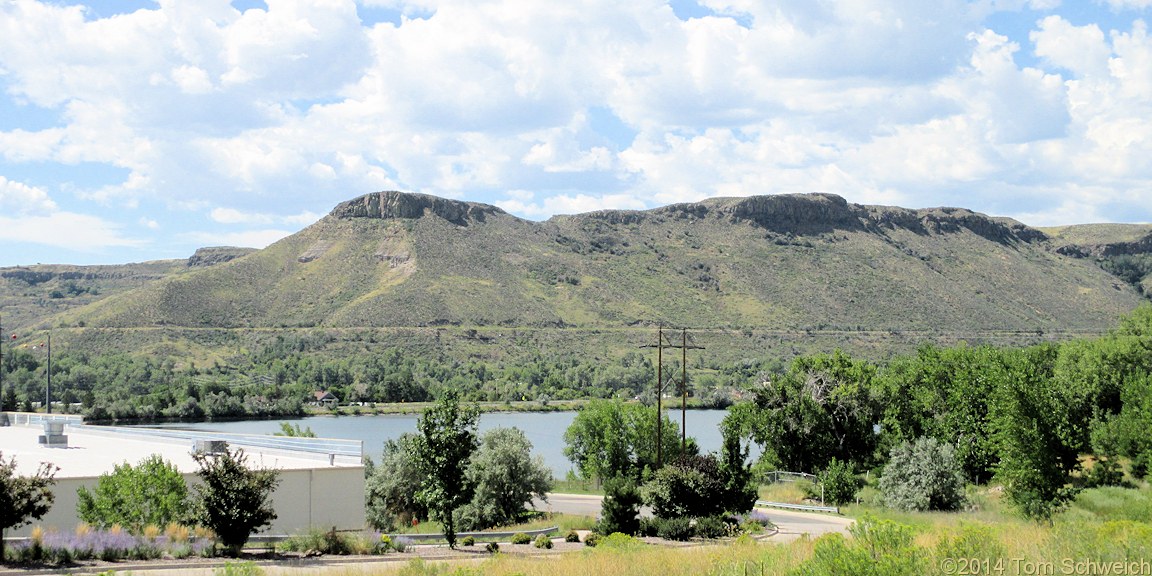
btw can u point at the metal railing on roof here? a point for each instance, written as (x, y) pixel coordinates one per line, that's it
(35, 419)
(321, 447)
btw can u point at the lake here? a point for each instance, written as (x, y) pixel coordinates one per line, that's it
(544, 429)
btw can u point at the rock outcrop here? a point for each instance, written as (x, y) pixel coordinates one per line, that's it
(212, 256)
(392, 204)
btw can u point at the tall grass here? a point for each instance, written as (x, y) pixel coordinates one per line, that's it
(1102, 526)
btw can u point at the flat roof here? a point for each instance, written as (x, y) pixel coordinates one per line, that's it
(95, 450)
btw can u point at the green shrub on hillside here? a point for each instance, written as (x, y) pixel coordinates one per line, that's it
(877, 548)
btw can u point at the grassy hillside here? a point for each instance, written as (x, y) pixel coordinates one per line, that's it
(754, 274)
(31, 295)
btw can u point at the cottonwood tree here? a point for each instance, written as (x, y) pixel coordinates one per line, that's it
(822, 408)
(233, 499)
(1038, 434)
(443, 447)
(609, 438)
(151, 493)
(23, 498)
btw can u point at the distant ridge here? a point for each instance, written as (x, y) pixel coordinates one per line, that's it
(797, 263)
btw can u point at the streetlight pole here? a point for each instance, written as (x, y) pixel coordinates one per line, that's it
(48, 388)
(2, 339)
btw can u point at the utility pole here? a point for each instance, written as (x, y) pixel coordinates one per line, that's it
(660, 343)
(659, 395)
(684, 388)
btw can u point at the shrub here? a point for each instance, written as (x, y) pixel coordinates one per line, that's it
(492, 547)
(25, 497)
(383, 544)
(592, 540)
(521, 538)
(572, 536)
(400, 544)
(713, 527)
(152, 492)
(755, 520)
(877, 547)
(679, 529)
(507, 479)
(390, 489)
(543, 541)
(973, 541)
(238, 569)
(648, 526)
(691, 486)
(468, 541)
(618, 541)
(328, 542)
(923, 475)
(839, 482)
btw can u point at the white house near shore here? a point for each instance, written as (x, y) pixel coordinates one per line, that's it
(321, 480)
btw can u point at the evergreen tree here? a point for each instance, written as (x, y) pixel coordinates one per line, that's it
(233, 500)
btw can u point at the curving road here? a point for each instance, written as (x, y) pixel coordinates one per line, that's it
(791, 524)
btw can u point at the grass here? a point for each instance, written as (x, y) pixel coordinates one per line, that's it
(1101, 526)
(565, 522)
(786, 492)
(577, 486)
(624, 561)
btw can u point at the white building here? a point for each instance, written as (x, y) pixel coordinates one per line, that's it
(321, 480)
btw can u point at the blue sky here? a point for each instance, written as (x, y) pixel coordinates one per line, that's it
(134, 130)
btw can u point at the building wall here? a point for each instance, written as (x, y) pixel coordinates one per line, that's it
(310, 498)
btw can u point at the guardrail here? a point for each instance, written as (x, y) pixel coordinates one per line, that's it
(476, 535)
(801, 507)
(786, 476)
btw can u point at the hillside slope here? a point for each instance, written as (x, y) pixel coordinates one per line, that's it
(786, 262)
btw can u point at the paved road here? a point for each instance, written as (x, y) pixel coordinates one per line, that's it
(791, 524)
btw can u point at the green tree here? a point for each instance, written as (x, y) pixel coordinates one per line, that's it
(944, 393)
(620, 509)
(506, 478)
(443, 447)
(233, 500)
(610, 438)
(739, 491)
(23, 498)
(1037, 433)
(923, 475)
(153, 492)
(392, 485)
(822, 408)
